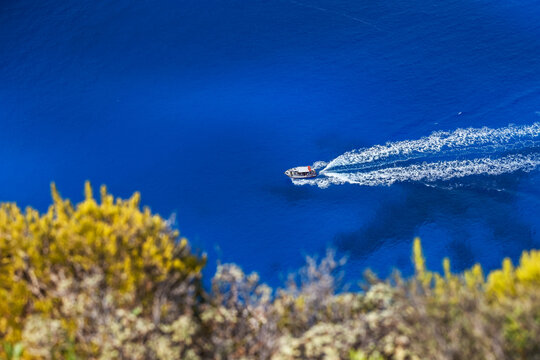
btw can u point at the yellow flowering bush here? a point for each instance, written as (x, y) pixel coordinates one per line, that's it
(466, 316)
(510, 282)
(133, 257)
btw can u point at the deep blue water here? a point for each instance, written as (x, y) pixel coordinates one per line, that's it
(201, 106)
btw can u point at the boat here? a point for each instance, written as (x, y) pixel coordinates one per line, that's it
(301, 172)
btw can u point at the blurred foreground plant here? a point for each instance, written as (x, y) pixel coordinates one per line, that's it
(108, 280)
(94, 275)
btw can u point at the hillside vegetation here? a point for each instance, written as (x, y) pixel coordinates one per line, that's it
(108, 280)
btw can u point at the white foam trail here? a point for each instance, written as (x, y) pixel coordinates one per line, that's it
(482, 151)
(429, 172)
(319, 164)
(438, 142)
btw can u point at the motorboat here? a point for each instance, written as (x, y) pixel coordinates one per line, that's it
(301, 172)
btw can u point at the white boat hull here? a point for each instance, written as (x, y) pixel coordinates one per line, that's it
(301, 172)
(301, 177)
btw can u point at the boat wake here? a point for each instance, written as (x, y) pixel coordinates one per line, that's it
(440, 156)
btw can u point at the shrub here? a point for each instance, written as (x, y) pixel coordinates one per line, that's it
(462, 316)
(108, 280)
(83, 272)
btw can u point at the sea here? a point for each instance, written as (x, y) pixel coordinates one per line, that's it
(423, 118)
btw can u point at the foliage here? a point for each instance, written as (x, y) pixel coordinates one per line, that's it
(107, 280)
(463, 316)
(75, 274)
(239, 319)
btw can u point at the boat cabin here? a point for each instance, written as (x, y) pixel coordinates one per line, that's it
(301, 172)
